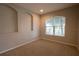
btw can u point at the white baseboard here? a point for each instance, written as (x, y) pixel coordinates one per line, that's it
(65, 43)
(18, 46)
(70, 44)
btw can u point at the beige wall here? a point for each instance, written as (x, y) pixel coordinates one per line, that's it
(71, 25)
(12, 39)
(8, 19)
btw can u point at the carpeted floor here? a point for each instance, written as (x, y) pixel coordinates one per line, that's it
(43, 48)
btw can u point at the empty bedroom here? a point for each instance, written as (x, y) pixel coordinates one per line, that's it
(39, 29)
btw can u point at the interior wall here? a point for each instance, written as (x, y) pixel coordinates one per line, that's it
(70, 28)
(8, 20)
(24, 34)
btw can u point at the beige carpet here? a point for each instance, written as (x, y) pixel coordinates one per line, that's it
(43, 48)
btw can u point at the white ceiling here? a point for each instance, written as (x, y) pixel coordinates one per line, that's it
(47, 7)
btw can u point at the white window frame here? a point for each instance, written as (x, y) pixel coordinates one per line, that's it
(55, 30)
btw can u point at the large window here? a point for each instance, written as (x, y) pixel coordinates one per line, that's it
(55, 26)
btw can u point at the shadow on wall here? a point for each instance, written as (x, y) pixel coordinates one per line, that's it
(8, 19)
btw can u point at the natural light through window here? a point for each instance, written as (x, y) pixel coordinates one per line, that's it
(55, 26)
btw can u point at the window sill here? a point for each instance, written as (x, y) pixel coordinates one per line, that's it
(55, 35)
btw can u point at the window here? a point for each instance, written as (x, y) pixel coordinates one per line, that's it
(55, 26)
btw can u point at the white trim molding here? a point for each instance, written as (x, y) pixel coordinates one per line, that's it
(34, 39)
(65, 43)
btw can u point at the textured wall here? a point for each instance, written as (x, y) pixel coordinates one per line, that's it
(70, 28)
